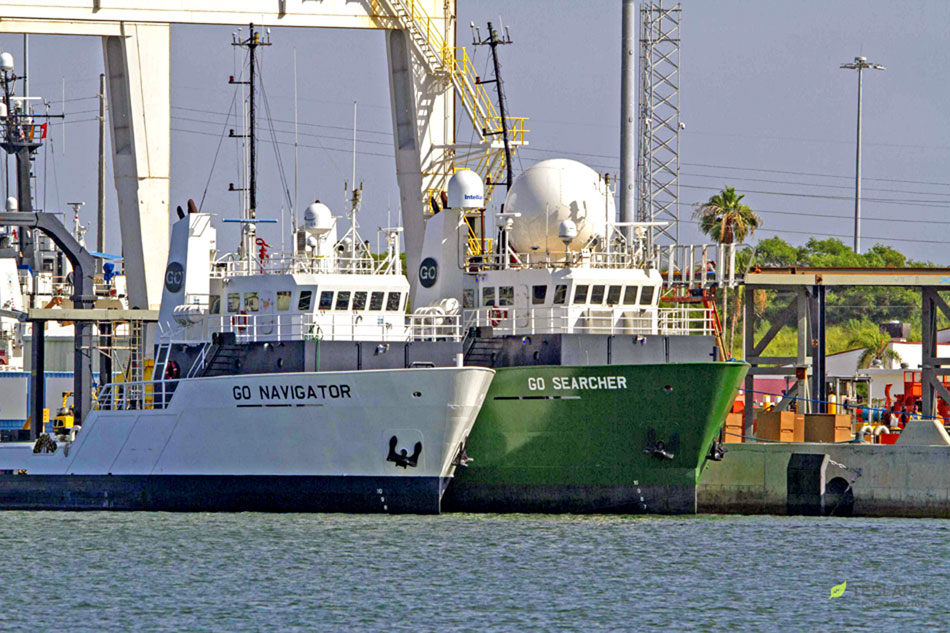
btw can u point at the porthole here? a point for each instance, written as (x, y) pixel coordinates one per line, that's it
(416, 394)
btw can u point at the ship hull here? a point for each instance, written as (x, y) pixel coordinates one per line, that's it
(584, 438)
(223, 493)
(349, 441)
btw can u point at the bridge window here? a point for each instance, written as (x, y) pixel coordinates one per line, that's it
(393, 301)
(234, 302)
(326, 300)
(506, 295)
(215, 304)
(468, 298)
(343, 300)
(647, 297)
(376, 300)
(580, 294)
(359, 300)
(613, 295)
(560, 294)
(251, 302)
(630, 295)
(305, 301)
(538, 294)
(597, 295)
(488, 296)
(283, 300)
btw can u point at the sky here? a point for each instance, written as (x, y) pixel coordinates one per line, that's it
(766, 106)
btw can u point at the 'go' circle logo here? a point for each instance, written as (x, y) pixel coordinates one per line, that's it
(428, 272)
(174, 277)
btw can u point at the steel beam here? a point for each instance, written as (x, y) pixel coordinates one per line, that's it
(37, 378)
(423, 107)
(137, 73)
(302, 13)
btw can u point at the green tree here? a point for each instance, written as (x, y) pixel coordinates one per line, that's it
(874, 343)
(873, 303)
(725, 219)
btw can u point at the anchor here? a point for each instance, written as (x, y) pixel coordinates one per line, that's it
(659, 448)
(402, 458)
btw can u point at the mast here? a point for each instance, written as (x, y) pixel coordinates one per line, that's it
(101, 192)
(251, 43)
(493, 42)
(19, 139)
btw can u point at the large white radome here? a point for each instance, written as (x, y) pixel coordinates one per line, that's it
(554, 191)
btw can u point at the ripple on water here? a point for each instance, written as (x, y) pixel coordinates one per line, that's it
(236, 572)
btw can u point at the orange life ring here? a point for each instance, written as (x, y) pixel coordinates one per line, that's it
(495, 315)
(172, 371)
(240, 321)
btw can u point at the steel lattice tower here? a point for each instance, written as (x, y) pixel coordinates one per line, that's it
(659, 121)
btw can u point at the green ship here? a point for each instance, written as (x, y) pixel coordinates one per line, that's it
(606, 398)
(603, 438)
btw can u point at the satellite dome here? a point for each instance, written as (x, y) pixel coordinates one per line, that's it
(6, 62)
(466, 190)
(317, 218)
(552, 193)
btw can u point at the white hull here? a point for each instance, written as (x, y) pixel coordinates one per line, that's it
(272, 427)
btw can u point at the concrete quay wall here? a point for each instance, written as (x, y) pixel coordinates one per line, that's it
(895, 481)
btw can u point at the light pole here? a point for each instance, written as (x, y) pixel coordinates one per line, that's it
(859, 64)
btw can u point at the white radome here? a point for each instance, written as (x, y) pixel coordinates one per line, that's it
(318, 219)
(553, 192)
(466, 190)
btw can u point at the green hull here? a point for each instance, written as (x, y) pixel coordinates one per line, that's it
(582, 438)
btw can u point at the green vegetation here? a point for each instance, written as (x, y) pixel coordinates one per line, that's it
(853, 314)
(725, 219)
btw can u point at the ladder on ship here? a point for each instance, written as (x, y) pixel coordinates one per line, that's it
(135, 376)
(482, 351)
(454, 65)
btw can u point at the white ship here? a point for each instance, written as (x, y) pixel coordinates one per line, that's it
(292, 383)
(282, 382)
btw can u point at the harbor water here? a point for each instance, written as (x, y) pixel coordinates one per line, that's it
(292, 572)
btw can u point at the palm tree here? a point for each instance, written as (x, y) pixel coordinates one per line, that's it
(725, 219)
(875, 345)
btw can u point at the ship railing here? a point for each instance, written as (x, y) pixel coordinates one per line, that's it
(251, 328)
(426, 327)
(136, 395)
(686, 320)
(584, 258)
(282, 264)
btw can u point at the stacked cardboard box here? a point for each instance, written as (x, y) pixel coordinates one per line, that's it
(827, 427)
